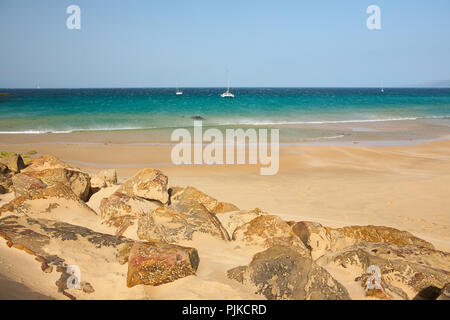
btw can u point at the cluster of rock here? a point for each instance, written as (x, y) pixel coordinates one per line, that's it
(292, 264)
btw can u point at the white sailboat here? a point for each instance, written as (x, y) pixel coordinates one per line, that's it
(227, 94)
(382, 89)
(178, 92)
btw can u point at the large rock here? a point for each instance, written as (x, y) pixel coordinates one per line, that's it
(171, 225)
(281, 273)
(78, 181)
(191, 195)
(58, 245)
(155, 263)
(407, 271)
(184, 217)
(149, 184)
(266, 231)
(24, 184)
(45, 162)
(14, 162)
(320, 239)
(121, 210)
(58, 197)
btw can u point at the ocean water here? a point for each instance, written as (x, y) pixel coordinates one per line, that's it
(70, 110)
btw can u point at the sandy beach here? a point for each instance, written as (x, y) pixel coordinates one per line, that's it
(399, 186)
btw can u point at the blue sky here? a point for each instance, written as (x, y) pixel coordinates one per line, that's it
(145, 43)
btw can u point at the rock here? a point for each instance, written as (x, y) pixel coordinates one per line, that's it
(123, 253)
(232, 220)
(121, 210)
(223, 207)
(78, 181)
(58, 244)
(5, 183)
(45, 162)
(282, 273)
(3, 168)
(445, 293)
(267, 231)
(174, 224)
(192, 195)
(97, 184)
(103, 179)
(185, 216)
(58, 195)
(149, 184)
(320, 239)
(86, 287)
(24, 184)
(14, 162)
(405, 270)
(109, 176)
(155, 263)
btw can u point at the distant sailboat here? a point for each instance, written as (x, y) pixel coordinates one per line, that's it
(227, 94)
(382, 90)
(178, 92)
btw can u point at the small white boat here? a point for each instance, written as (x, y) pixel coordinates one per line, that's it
(178, 92)
(227, 94)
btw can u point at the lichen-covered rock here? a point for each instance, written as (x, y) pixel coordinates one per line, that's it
(184, 217)
(149, 184)
(232, 220)
(281, 273)
(45, 162)
(155, 263)
(320, 239)
(78, 181)
(405, 270)
(267, 231)
(56, 195)
(57, 245)
(13, 162)
(24, 184)
(192, 195)
(171, 225)
(121, 210)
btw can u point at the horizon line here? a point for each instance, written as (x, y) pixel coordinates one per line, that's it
(235, 87)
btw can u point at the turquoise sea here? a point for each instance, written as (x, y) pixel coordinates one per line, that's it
(70, 110)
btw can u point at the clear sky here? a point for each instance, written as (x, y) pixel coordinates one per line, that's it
(146, 43)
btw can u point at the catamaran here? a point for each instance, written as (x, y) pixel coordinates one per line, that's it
(227, 94)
